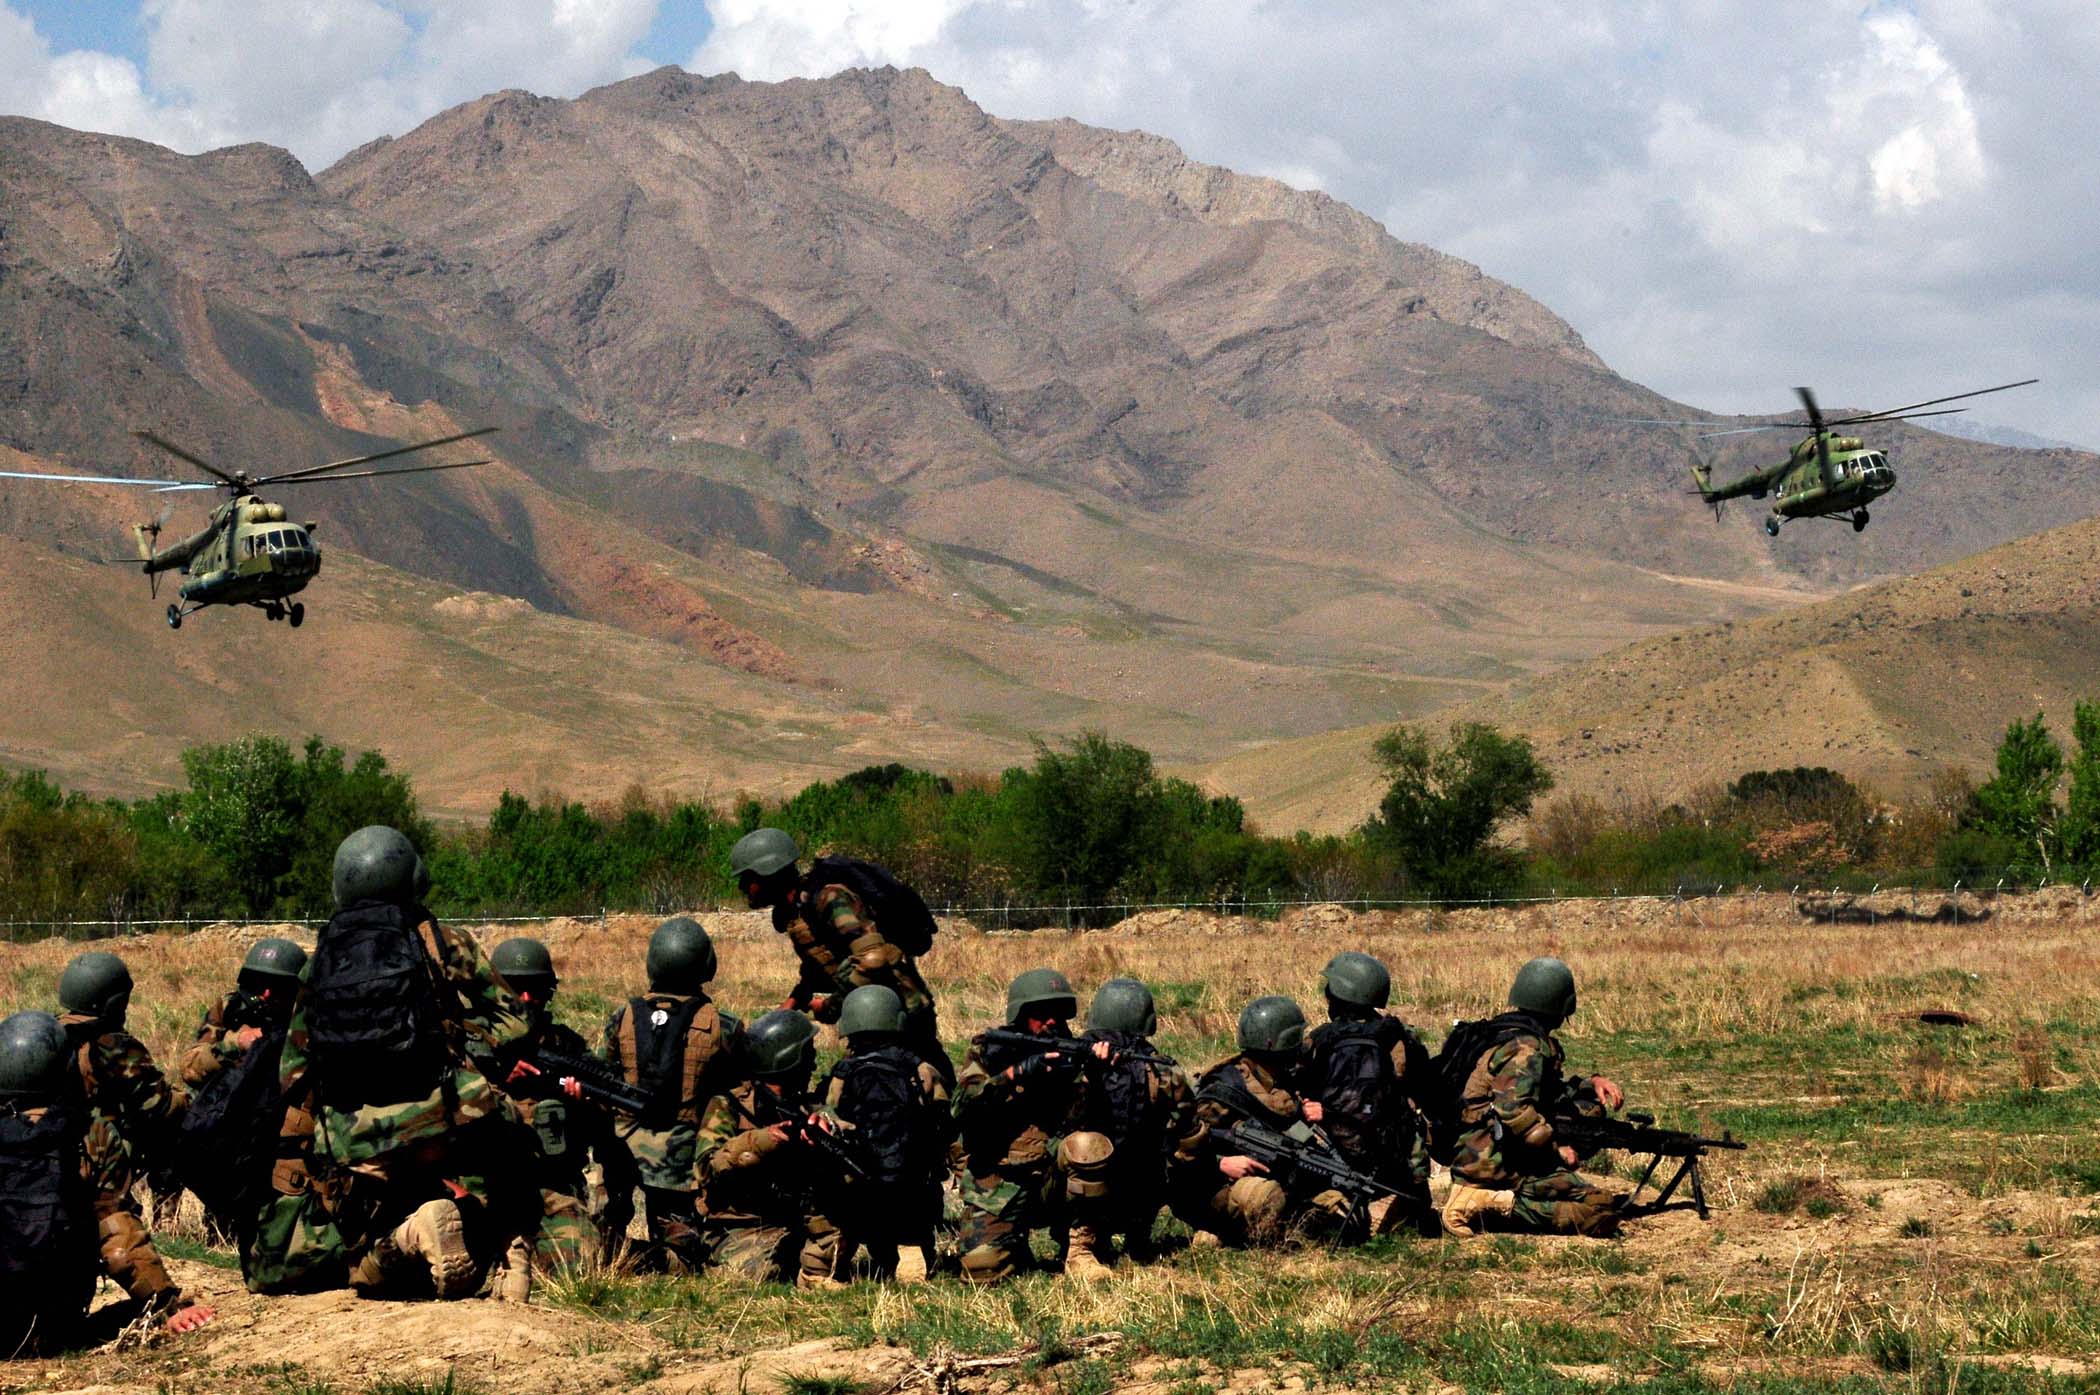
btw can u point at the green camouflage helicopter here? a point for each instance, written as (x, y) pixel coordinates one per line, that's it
(248, 552)
(1825, 475)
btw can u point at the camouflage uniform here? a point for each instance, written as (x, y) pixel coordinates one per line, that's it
(45, 1318)
(763, 1200)
(841, 948)
(567, 1134)
(883, 1218)
(1029, 1162)
(1506, 1140)
(667, 1157)
(119, 1079)
(348, 1171)
(1164, 1140)
(1255, 1209)
(1387, 1140)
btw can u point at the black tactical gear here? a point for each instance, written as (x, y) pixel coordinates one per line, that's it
(1273, 1024)
(1122, 1005)
(1357, 979)
(96, 984)
(681, 956)
(1044, 989)
(378, 863)
(375, 1020)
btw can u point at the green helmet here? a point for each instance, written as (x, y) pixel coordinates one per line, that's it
(1122, 1005)
(273, 958)
(1274, 1024)
(33, 1054)
(378, 863)
(526, 966)
(1357, 979)
(97, 985)
(681, 956)
(871, 1008)
(781, 1043)
(764, 851)
(1042, 988)
(1545, 986)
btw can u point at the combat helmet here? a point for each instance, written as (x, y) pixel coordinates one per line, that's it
(273, 959)
(1272, 1025)
(97, 985)
(871, 1008)
(781, 1045)
(1546, 987)
(525, 965)
(33, 1054)
(1122, 1005)
(763, 851)
(681, 956)
(1357, 979)
(1041, 988)
(378, 863)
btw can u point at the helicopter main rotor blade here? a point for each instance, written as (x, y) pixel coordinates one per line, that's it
(163, 486)
(1892, 412)
(190, 456)
(379, 474)
(313, 470)
(1815, 413)
(1745, 430)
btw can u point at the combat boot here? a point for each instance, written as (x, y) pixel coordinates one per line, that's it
(431, 1243)
(1467, 1206)
(911, 1266)
(1087, 1256)
(513, 1277)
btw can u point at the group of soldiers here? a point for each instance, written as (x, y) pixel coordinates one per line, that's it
(399, 1114)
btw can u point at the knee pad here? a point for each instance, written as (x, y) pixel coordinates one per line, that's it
(1257, 1202)
(1084, 1158)
(987, 1264)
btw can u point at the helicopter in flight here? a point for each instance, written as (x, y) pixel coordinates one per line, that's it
(248, 552)
(1827, 474)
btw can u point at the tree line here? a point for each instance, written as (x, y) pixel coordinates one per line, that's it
(1085, 830)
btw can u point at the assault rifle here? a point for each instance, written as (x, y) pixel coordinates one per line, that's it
(1305, 1160)
(1636, 1133)
(803, 1128)
(1072, 1053)
(602, 1085)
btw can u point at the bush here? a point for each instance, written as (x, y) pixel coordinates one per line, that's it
(1444, 804)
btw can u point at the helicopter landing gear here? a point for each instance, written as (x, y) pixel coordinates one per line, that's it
(174, 616)
(1859, 520)
(297, 614)
(1772, 526)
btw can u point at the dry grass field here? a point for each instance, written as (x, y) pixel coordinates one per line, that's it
(1916, 1208)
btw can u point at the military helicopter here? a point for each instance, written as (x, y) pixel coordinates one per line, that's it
(1825, 475)
(248, 552)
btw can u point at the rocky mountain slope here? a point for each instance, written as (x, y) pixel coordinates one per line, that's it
(958, 429)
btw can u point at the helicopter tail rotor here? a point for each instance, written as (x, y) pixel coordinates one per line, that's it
(1703, 477)
(147, 535)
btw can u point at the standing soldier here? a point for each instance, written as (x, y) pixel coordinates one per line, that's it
(570, 1131)
(896, 1106)
(65, 1192)
(117, 1074)
(1144, 1104)
(1232, 1198)
(1029, 1161)
(398, 1161)
(767, 1179)
(673, 1043)
(1365, 1066)
(851, 924)
(1506, 1162)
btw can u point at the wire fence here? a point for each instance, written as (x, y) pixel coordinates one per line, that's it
(1849, 898)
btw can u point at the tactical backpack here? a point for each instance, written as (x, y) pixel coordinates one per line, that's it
(1351, 1073)
(896, 1134)
(1443, 1097)
(1122, 1098)
(667, 1046)
(900, 913)
(375, 1023)
(47, 1226)
(226, 1142)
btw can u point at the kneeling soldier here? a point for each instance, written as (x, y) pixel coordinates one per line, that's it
(1233, 1197)
(768, 1165)
(1364, 1066)
(65, 1192)
(1029, 1161)
(1507, 1164)
(896, 1107)
(117, 1073)
(1146, 1106)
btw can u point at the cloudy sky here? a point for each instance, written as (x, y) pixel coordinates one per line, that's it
(1887, 200)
